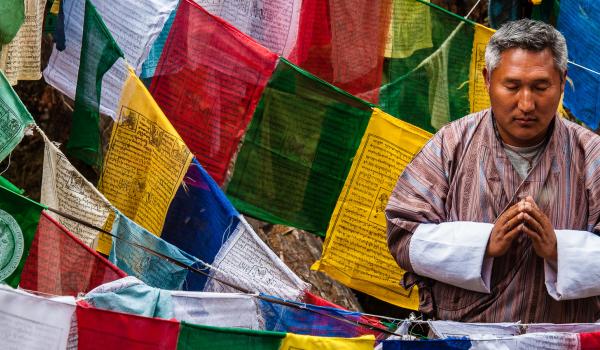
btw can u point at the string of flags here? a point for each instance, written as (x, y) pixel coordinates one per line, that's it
(284, 112)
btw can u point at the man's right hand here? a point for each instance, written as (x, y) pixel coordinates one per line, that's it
(506, 228)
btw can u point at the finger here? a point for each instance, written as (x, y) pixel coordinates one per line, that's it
(535, 212)
(510, 236)
(516, 220)
(535, 237)
(529, 199)
(512, 211)
(533, 224)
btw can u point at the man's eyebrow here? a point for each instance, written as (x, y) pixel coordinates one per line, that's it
(519, 81)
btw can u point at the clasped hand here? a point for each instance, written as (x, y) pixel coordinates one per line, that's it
(525, 217)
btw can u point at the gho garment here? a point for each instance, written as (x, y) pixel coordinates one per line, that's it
(441, 213)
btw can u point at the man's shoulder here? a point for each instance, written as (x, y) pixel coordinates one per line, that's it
(581, 137)
(462, 129)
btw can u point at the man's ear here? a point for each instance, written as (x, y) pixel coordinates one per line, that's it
(564, 82)
(486, 77)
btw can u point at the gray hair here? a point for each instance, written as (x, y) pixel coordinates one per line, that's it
(529, 35)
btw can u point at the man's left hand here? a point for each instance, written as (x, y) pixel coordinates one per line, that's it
(538, 227)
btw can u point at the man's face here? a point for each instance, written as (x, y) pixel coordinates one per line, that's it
(525, 90)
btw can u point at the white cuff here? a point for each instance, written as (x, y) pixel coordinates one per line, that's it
(453, 253)
(577, 274)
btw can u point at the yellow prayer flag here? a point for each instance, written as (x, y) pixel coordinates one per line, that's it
(146, 159)
(410, 29)
(308, 342)
(355, 251)
(55, 7)
(478, 95)
(105, 241)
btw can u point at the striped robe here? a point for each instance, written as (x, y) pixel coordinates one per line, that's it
(464, 175)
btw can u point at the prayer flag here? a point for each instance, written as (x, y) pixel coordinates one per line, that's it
(307, 342)
(479, 99)
(216, 309)
(133, 24)
(208, 82)
(247, 262)
(12, 14)
(557, 341)
(427, 344)
(298, 150)
(359, 31)
(65, 189)
(103, 329)
(410, 29)
(355, 251)
(202, 222)
(310, 319)
(343, 42)
(150, 268)
(14, 118)
(19, 218)
(51, 17)
(577, 21)
(99, 52)
(312, 299)
(34, 323)
(589, 341)
(60, 264)
(9, 185)
(502, 11)
(430, 87)
(132, 296)
(272, 24)
(194, 336)
(448, 329)
(153, 58)
(200, 219)
(20, 58)
(146, 159)
(312, 51)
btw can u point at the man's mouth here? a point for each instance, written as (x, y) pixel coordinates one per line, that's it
(525, 121)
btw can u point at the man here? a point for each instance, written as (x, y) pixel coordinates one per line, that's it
(496, 218)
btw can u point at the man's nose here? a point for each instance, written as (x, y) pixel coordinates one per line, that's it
(526, 103)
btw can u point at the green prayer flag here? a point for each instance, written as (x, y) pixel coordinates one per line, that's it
(14, 118)
(10, 186)
(193, 336)
(430, 88)
(298, 150)
(99, 52)
(19, 218)
(51, 17)
(12, 15)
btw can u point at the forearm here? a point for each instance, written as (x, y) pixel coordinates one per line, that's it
(576, 272)
(453, 253)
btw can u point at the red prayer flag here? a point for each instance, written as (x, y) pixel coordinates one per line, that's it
(104, 329)
(312, 299)
(589, 341)
(208, 81)
(60, 264)
(343, 42)
(312, 51)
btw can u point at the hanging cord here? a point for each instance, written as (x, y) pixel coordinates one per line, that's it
(472, 9)
(583, 67)
(7, 165)
(231, 285)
